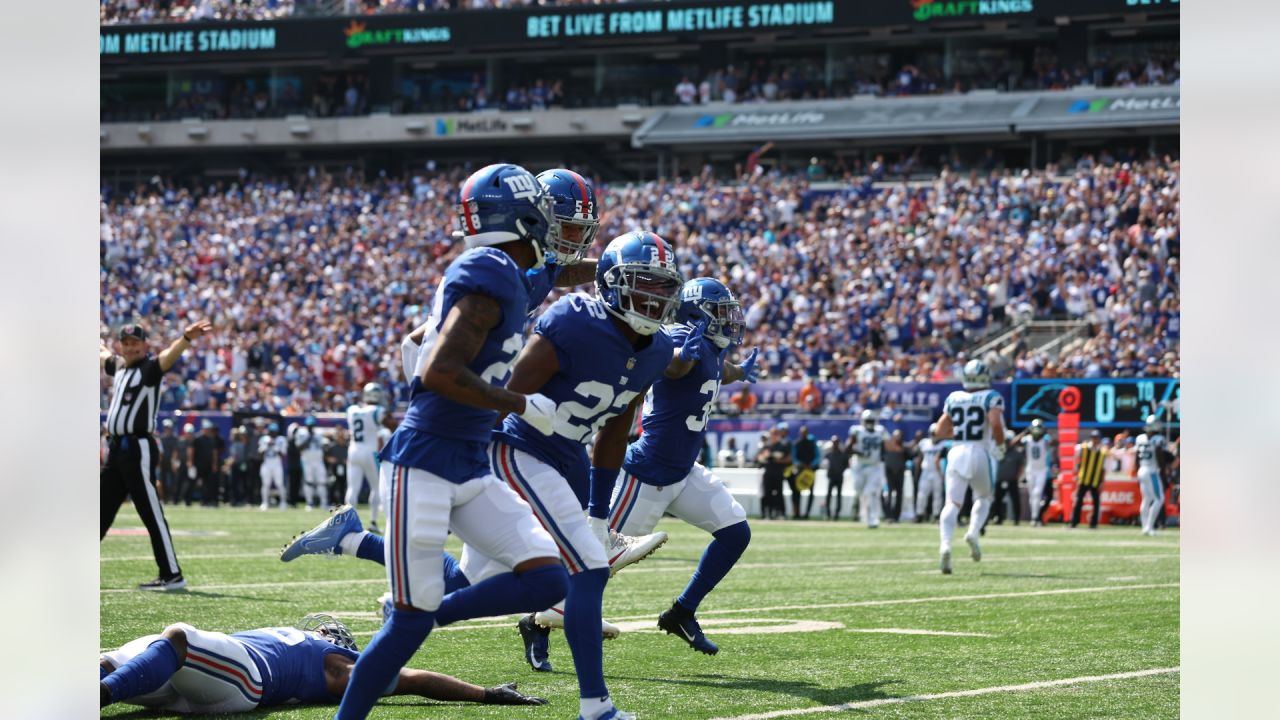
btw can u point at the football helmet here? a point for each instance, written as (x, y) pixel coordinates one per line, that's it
(638, 281)
(328, 628)
(975, 376)
(1152, 424)
(576, 212)
(708, 299)
(869, 419)
(505, 203)
(1037, 428)
(373, 393)
(933, 430)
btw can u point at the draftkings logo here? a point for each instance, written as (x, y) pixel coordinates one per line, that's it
(925, 10)
(358, 35)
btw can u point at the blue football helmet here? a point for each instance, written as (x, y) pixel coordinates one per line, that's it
(638, 281)
(329, 629)
(576, 212)
(504, 203)
(708, 299)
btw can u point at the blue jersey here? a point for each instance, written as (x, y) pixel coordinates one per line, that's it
(448, 438)
(600, 374)
(675, 418)
(541, 283)
(291, 663)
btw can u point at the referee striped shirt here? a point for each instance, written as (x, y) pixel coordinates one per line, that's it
(1092, 466)
(135, 397)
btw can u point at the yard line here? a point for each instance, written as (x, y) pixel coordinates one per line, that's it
(909, 631)
(683, 565)
(249, 586)
(864, 704)
(185, 556)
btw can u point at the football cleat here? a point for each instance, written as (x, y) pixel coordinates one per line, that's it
(554, 618)
(323, 539)
(612, 713)
(535, 640)
(625, 549)
(177, 582)
(680, 622)
(975, 550)
(946, 562)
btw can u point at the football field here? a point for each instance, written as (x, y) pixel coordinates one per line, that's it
(816, 618)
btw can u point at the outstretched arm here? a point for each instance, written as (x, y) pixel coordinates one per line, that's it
(579, 273)
(170, 355)
(746, 371)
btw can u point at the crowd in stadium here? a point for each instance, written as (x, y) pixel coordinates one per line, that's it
(311, 281)
(111, 12)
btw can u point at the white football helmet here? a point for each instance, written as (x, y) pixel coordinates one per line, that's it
(1152, 424)
(373, 394)
(975, 375)
(868, 419)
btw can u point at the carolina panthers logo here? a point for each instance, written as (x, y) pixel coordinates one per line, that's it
(522, 187)
(1044, 404)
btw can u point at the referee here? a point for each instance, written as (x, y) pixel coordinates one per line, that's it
(1090, 467)
(133, 455)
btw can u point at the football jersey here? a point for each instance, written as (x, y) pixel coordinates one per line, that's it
(273, 448)
(968, 413)
(541, 282)
(868, 442)
(439, 435)
(600, 374)
(1037, 454)
(1148, 447)
(930, 451)
(310, 442)
(675, 417)
(363, 421)
(291, 663)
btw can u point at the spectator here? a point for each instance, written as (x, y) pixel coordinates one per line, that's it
(775, 457)
(895, 471)
(810, 398)
(805, 456)
(686, 92)
(837, 454)
(744, 400)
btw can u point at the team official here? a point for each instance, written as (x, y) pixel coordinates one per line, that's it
(1090, 460)
(133, 455)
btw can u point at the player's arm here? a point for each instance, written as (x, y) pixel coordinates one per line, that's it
(435, 686)
(683, 358)
(945, 428)
(461, 338)
(606, 457)
(745, 371)
(107, 360)
(170, 355)
(579, 273)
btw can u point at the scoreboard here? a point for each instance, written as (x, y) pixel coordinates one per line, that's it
(1104, 402)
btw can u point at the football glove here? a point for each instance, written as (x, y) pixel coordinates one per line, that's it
(506, 694)
(540, 412)
(750, 372)
(691, 350)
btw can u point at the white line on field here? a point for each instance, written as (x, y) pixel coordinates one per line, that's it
(863, 704)
(211, 556)
(909, 631)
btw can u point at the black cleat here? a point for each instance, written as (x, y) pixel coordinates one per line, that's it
(536, 644)
(680, 622)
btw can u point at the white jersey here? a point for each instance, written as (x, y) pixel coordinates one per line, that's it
(868, 443)
(1037, 454)
(364, 421)
(968, 412)
(273, 448)
(930, 452)
(310, 443)
(1149, 447)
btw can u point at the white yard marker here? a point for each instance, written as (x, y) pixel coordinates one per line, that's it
(864, 704)
(909, 631)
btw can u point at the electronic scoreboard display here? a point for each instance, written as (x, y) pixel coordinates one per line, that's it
(1104, 402)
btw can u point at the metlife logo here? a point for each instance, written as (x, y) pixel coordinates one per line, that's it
(753, 119)
(1168, 102)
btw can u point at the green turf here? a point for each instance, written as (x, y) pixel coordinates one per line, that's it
(237, 582)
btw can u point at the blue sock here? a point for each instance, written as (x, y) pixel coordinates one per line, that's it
(507, 593)
(727, 545)
(102, 672)
(381, 661)
(144, 673)
(453, 577)
(582, 630)
(371, 549)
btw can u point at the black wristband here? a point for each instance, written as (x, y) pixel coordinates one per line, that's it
(184, 337)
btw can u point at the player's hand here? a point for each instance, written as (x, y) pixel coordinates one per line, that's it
(750, 372)
(540, 412)
(998, 452)
(506, 694)
(600, 528)
(691, 350)
(198, 328)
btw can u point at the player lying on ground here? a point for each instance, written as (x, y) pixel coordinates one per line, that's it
(186, 670)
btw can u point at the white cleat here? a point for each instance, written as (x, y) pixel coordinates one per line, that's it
(625, 550)
(946, 562)
(553, 619)
(975, 550)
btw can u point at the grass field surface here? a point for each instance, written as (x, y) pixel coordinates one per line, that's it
(818, 618)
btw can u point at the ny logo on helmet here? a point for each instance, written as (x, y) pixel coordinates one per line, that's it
(522, 187)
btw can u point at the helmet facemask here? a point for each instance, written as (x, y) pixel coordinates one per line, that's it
(329, 629)
(725, 322)
(570, 239)
(648, 296)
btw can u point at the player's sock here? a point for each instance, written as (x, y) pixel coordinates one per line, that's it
(582, 630)
(102, 672)
(453, 577)
(507, 593)
(726, 547)
(351, 543)
(590, 708)
(144, 672)
(947, 524)
(380, 663)
(978, 516)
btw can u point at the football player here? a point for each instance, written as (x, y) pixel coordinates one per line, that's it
(436, 466)
(273, 448)
(1037, 468)
(661, 472)
(185, 670)
(595, 357)
(363, 421)
(310, 444)
(1150, 445)
(929, 497)
(974, 419)
(867, 441)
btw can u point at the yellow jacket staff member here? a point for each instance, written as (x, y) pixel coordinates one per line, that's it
(1090, 467)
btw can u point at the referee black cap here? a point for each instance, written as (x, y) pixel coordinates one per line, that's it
(133, 330)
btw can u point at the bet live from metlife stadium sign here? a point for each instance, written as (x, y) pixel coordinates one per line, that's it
(213, 40)
(729, 16)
